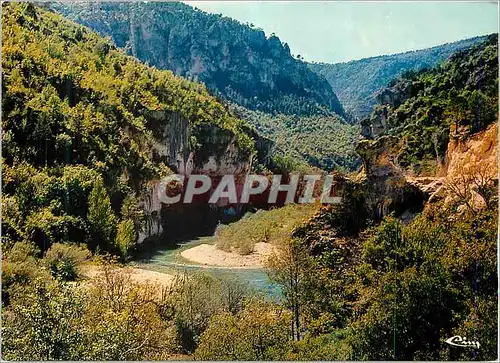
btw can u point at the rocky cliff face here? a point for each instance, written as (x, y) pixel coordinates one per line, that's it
(217, 155)
(479, 151)
(473, 160)
(234, 60)
(388, 99)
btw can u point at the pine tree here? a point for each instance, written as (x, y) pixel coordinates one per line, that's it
(101, 217)
(125, 236)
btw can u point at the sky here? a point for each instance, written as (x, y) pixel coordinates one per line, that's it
(334, 32)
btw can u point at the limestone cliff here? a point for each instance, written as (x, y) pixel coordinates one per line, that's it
(480, 150)
(391, 189)
(387, 189)
(234, 60)
(203, 149)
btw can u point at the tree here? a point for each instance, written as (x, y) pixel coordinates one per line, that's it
(42, 323)
(194, 299)
(407, 301)
(101, 217)
(291, 268)
(258, 332)
(125, 236)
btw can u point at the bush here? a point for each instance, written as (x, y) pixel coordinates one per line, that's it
(261, 331)
(125, 236)
(195, 299)
(63, 260)
(272, 226)
(19, 268)
(110, 319)
(42, 323)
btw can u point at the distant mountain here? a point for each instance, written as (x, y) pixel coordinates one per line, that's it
(234, 60)
(356, 82)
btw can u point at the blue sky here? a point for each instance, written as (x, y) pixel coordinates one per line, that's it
(341, 31)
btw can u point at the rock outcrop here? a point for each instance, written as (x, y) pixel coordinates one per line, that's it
(479, 151)
(387, 189)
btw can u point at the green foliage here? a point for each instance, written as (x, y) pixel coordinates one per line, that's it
(292, 268)
(81, 121)
(258, 332)
(63, 260)
(111, 319)
(402, 290)
(41, 324)
(356, 82)
(413, 301)
(101, 217)
(327, 347)
(195, 299)
(131, 210)
(234, 60)
(124, 320)
(271, 226)
(452, 101)
(325, 142)
(78, 113)
(20, 266)
(125, 236)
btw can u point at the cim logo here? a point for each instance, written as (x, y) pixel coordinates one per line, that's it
(459, 341)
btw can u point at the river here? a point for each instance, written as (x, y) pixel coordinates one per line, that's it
(169, 260)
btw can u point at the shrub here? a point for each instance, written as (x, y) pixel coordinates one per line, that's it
(20, 267)
(63, 260)
(261, 331)
(109, 318)
(272, 226)
(125, 236)
(196, 298)
(42, 323)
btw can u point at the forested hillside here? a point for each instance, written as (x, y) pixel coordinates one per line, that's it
(407, 260)
(404, 263)
(355, 82)
(234, 60)
(427, 109)
(324, 142)
(80, 132)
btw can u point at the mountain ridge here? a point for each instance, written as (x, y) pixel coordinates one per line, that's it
(234, 60)
(355, 82)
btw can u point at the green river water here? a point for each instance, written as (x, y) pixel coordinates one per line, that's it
(169, 260)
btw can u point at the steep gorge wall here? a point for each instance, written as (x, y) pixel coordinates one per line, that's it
(217, 155)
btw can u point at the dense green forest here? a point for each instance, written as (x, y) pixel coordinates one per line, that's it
(426, 109)
(324, 142)
(356, 82)
(388, 274)
(237, 61)
(80, 124)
